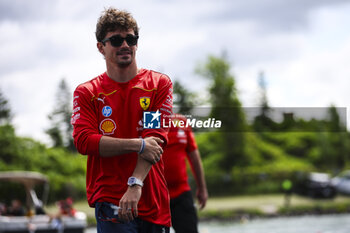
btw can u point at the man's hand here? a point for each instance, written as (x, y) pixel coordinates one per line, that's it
(202, 197)
(153, 150)
(128, 203)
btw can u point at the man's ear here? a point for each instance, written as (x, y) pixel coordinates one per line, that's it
(100, 48)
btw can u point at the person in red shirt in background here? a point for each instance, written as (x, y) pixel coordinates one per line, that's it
(124, 181)
(182, 146)
(66, 207)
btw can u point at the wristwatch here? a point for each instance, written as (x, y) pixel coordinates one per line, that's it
(134, 181)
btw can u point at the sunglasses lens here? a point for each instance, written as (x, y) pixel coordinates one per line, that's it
(131, 40)
(116, 41)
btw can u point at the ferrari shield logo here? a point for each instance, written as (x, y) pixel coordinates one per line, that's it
(144, 102)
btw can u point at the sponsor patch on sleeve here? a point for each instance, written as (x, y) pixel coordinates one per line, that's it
(108, 126)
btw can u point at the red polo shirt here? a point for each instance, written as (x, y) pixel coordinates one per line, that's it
(181, 143)
(105, 107)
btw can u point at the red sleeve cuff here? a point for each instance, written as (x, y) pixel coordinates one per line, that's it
(93, 144)
(159, 134)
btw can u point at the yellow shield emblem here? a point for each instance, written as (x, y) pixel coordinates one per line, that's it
(144, 102)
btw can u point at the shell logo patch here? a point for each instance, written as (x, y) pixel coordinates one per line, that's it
(144, 102)
(107, 126)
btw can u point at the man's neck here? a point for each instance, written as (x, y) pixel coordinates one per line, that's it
(122, 74)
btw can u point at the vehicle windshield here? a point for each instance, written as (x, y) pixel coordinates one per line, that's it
(319, 177)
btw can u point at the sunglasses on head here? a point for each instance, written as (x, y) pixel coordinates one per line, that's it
(117, 40)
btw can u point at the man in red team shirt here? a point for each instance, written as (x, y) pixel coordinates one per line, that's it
(124, 181)
(182, 145)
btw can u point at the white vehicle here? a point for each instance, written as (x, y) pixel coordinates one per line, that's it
(40, 222)
(342, 182)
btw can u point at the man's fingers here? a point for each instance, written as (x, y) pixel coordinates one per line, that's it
(201, 205)
(129, 214)
(126, 214)
(202, 201)
(158, 140)
(135, 211)
(153, 150)
(152, 157)
(120, 214)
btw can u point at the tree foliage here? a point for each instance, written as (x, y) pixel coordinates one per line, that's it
(65, 171)
(258, 161)
(184, 101)
(236, 160)
(5, 111)
(225, 106)
(263, 121)
(61, 129)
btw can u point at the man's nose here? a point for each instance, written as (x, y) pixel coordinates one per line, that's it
(124, 44)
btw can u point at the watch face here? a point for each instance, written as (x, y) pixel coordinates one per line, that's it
(134, 181)
(131, 181)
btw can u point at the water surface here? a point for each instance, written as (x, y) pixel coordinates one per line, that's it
(339, 223)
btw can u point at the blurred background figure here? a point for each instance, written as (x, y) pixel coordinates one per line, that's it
(182, 145)
(66, 207)
(16, 208)
(287, 186)
(3, 209)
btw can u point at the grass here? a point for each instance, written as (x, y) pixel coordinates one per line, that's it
(265, 201)
(271, 205)
(255, 206)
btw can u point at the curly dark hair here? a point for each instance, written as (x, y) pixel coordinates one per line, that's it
(113, 19)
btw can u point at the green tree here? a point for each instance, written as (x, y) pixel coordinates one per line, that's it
(225, 106)
(331, 150)
(5, 111)
(338, 139)
(8, 145)
(61, 129)
(263, 121)
(263, 94)
(335, 124)
(18, 153)
(184, 101)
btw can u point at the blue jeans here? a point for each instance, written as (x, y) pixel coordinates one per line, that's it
(108, 222)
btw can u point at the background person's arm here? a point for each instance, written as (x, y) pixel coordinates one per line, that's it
(198, 173)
